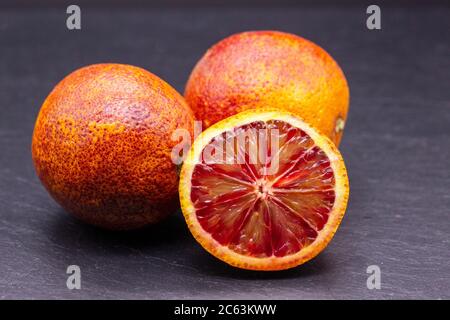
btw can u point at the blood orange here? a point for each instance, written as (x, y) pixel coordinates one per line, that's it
(256, 69)
(263, 190)
(102, 148)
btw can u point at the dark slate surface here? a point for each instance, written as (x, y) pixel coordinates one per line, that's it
(396, 146)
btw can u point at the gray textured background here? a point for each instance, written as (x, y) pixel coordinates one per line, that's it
(396, 147)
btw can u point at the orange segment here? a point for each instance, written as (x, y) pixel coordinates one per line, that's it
(263, 190)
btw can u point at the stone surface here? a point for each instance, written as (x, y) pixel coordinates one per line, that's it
(396, 146)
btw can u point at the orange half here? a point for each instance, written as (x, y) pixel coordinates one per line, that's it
(263, 190)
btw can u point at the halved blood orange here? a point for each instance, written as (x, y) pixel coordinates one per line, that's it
(263, 190)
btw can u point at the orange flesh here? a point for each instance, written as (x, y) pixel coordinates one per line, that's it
(254, 209)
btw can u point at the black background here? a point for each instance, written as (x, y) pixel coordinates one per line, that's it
(396, 146)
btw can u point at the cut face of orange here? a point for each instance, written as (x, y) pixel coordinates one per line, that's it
(263, 190)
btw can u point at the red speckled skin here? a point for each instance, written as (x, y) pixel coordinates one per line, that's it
(270, 69)
(102, 143)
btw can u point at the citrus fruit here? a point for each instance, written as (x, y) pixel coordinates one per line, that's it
(102, 145)
(270, 212)
(262, 69)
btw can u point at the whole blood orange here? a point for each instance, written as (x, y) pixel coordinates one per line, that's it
(262, 69)
(270, 212)
(102, 145)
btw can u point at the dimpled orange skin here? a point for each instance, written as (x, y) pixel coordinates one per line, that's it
(270, 69)
(102, 145)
